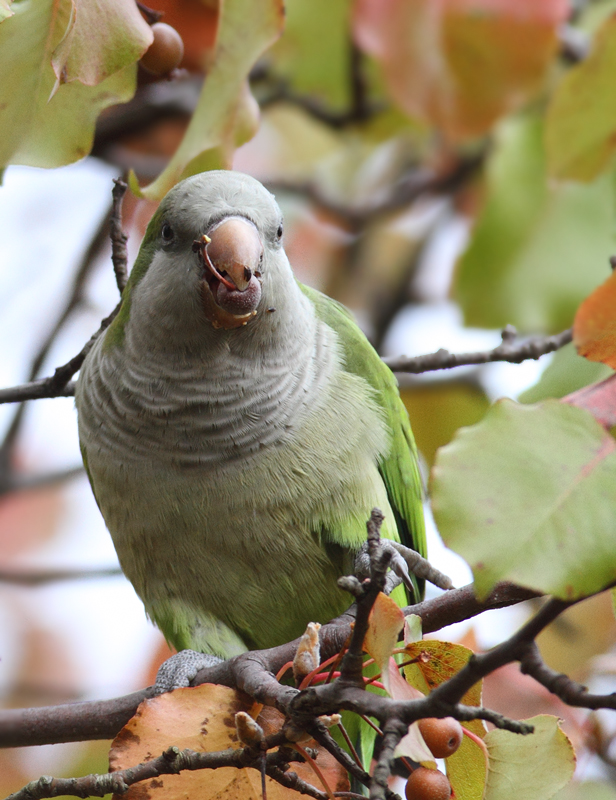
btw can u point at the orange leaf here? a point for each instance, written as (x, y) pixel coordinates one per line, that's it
(202, 718)
(460, 64)
(594, 329)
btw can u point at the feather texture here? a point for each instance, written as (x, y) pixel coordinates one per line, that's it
(236, 469)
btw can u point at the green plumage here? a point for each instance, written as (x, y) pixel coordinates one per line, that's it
(236, 466)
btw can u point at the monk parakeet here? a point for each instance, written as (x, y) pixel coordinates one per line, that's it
(238, 428)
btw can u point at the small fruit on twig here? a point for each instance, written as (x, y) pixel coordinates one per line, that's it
(443, 736)
(166, 51)
(427, 784)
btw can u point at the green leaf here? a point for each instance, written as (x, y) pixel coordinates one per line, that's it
(566, 373)
(581, 118)
(587, 790)
(438, 409)
(537, 250)
(101, 39)
(314, 54)
(466, 768)
(531, 767)
(226, 114)
(5, 9)
(527, 496)
(40, 131)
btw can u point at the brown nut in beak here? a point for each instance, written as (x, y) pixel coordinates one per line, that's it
(236, 249)
(231, 288)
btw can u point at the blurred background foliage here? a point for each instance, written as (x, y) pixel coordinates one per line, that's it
(445, 168)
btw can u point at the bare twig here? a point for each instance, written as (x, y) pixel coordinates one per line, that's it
(30, 578)
(351, 666)
(416, 183)
(510, 351)
(8, 479)
(360, 108)
(393, 731)
(171, 762)
(569, 691)
(119, 237)
(58, 385)
(13, 482)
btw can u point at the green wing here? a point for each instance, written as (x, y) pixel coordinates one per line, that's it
(399, 470)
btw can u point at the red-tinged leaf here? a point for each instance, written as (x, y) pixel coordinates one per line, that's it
(202, 718)
(599, 399)
(101, 39)
(594, 328)
(460, 64)
(386, 622)
(412, 745)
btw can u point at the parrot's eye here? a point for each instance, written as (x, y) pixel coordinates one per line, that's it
(279, 231)
(167, 232)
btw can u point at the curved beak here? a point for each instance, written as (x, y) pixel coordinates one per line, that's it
(236, 249)
(232, 254)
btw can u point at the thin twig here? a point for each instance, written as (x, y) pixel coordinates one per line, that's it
(58, 385)
(25, 483)
(171, 762)
(75, 298)
(119, 237)
(510, 351)
(417, 183)
(569, 691)
(393, 731)
(31, 578)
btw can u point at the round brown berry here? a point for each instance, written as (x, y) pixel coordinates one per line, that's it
(165, 52)
(443, 736)
(427, 784)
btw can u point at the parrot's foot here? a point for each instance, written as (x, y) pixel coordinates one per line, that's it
(179, 670)
(404, 560)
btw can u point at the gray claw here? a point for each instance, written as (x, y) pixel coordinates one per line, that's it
(179, 670)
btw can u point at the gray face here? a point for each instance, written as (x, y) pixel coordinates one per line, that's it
(229, 283)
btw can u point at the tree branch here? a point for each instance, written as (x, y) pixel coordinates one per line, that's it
(569, 691)
(171, 762)
(251, 672)
(40, 578)
(510, 351)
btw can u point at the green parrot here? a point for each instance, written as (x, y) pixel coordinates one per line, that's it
(238, 428)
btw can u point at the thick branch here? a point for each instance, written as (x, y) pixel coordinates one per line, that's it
(251, 672)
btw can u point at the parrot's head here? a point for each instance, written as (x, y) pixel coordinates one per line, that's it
(212, 258)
